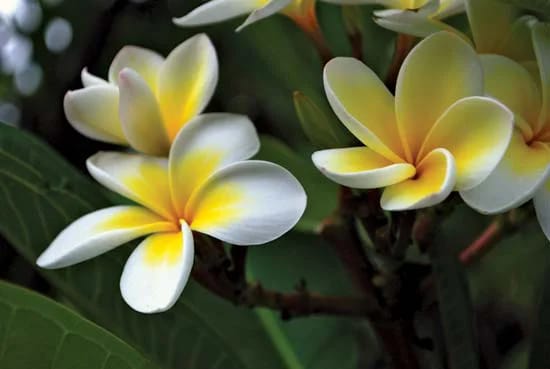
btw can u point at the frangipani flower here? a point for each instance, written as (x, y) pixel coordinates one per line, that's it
(147, 99)
(525, 167)
(434, 137)
(417, 17)
(204, 186)
(508, 33)
(215, 11)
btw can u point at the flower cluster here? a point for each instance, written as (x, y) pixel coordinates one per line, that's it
(472, 117)
(205, 185)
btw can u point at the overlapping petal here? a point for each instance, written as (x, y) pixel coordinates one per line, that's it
(145, 62)
(364, 105)
(360, 167)
(476, 131)
(89, 79)
(541, 45)
(542, 207)
(93, 111)
(512, 84)
(272, 7)
(217, 11)
(140, 178)
(440, 70)
(514, 181)
(156, 272)
(99, 232)
(187, 81)
(247, 203)
(434, 181)
(409, 22)
(140, 115)
(490, 35)
(206, 144)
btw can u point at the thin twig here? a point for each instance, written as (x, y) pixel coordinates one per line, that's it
(502, 225)
(295, 304)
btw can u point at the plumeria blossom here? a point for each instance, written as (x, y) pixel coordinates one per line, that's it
(508, 33)
(147, 98)
(301, 11)
(437, 135)
(206, 185)
(416, 17)
(523, 172)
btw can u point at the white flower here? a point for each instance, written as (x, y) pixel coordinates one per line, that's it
(206, 185)
(147, 99)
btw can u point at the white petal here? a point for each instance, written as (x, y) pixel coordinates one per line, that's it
(157, 271)
(145, 62)
(217, 11)
(140, 115)
(542, 207)
(187, 81)
(434, 181)
(247, 203)
(141, 178)
(364, 105)
(98, 232)
(206, 144)
(93, 111)
(89, 79)
(514, 181)
(360, 167)
(410, 22)
(272, 7)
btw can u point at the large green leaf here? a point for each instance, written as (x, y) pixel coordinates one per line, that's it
(38, 333)
(454, 300)
(41, 194)
(540, 345)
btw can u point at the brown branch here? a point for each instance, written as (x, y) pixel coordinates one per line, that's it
(225, 277)
(295, 304)
(503, 225)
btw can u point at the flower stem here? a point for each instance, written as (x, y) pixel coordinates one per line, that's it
(500, 227)
(403, 45)
(309, 23)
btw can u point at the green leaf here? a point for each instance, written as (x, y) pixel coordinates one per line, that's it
(37, 333)
(321, 191)
(41, 194)
(454, 300)
(541, 6)
(322, 129)
(539, 357)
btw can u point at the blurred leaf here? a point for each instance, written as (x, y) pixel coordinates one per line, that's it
(323, 130)
(541, 6)
(41, 194)
(540, 346)
(38, 333)
(454, 298)
(321, 191)
(499, 275)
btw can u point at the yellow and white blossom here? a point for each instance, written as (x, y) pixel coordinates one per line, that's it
(524, 170)
(216, 11)
(206, 185)
(416, 17)
(437, 135)
(147, 98)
